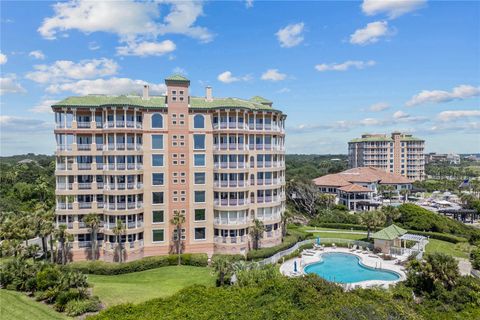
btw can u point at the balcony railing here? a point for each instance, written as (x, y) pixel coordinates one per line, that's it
(84, 147)
(85, 205)
(84, 185)
(84, 166)
(83, 124)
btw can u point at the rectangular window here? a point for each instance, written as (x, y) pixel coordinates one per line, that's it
(199, 214)
(157, 179)
(198, 141)
(199, 196)
(158, 216)
(199, 177)
(157, 141)
(199, 160)
(157, 197)
(158, 235)
(157, 160)
(200, 233)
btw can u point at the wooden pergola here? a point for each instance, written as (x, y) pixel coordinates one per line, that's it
(461, 214)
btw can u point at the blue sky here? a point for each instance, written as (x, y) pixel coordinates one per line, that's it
(338, 69)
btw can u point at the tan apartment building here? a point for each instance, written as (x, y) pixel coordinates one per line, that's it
(399, 153)
(220, 162)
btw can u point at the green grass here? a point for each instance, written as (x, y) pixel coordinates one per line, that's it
(460, 250)
(17, 306)
(141, 286)
(340, 233)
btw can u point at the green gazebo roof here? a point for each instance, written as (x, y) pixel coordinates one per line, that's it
(176, 77)
(389, 233)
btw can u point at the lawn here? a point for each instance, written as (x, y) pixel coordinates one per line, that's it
(141, 286)
(459, 250)
(338, 233)
(17, 306)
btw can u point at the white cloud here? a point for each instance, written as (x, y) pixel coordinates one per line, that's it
(93, 46)
(9, 84)
(128, 19)
(22, 124)
(273, 75)
(112, 86)
(284, 90)
(37, 54)
(146, 48)
(392, 8)
(180, 70)
(380, 106)
(371, 122)
(227, 77)
(371, 33)
(291, 35)
(460, 92)
(249, 3)
(44, 106)
(457, 114)
(65, 70)
(400, 115)
(345, 65)
(3, 58)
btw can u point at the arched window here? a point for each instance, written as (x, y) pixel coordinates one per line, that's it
(157, 121)
(198, 121)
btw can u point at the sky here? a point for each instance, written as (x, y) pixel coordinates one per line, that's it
(338, 69)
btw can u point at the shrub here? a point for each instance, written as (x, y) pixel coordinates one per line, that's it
(64, 297)
(289, 241)
(48, 277)
(77, 307)
(475, 257)
(110, 268)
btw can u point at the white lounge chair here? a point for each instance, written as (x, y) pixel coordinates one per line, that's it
(353, 248)
(334, 246)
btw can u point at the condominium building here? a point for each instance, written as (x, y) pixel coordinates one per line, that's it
(399, 153)
(139, 159)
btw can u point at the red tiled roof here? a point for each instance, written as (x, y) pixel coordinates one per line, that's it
(355, 188)
(361, 174)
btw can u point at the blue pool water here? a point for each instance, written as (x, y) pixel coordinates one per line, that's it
(345, 268)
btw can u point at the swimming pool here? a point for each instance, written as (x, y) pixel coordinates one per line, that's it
(346, 268)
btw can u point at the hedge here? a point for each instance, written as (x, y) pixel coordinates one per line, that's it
(289, 241)
(440, 236)
(434, 235)
(113, 268)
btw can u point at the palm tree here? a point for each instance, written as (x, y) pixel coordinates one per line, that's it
(92, 221)
(118, 230)
(61, 236)
(256, 232)
(178, 220)
(222, 267)
(390, 213)
(372, 219)
(404, 193)
(286, 216)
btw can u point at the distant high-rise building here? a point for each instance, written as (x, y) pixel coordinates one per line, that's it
(399, 153)
(139, 160)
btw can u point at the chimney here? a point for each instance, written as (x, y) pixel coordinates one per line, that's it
(145, 92)
(208, 94)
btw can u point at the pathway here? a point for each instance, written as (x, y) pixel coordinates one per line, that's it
(336, 231)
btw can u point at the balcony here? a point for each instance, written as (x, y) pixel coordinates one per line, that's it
(64, 206)
(219, 221)
(84, 147)
(83, 124)
(84, 166)
(232, 240)
(84, 205)
(84, 185)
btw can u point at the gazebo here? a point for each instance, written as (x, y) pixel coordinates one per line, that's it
(393, 240)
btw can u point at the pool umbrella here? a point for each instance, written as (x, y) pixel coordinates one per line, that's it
(295, 266)
(318, 240)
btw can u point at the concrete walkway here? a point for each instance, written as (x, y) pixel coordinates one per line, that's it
(464, 266)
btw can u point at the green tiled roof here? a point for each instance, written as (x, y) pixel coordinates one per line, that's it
(93, 101)
(389, 233)
(259, 99)
(386, 139)
(176, 77)
(411, 139)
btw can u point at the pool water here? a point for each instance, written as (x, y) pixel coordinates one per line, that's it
(346, 268)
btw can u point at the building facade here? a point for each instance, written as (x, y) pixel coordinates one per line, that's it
(398, 153)
(358, 188)
(220, 162)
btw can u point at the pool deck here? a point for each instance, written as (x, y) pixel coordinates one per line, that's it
(366, 259)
